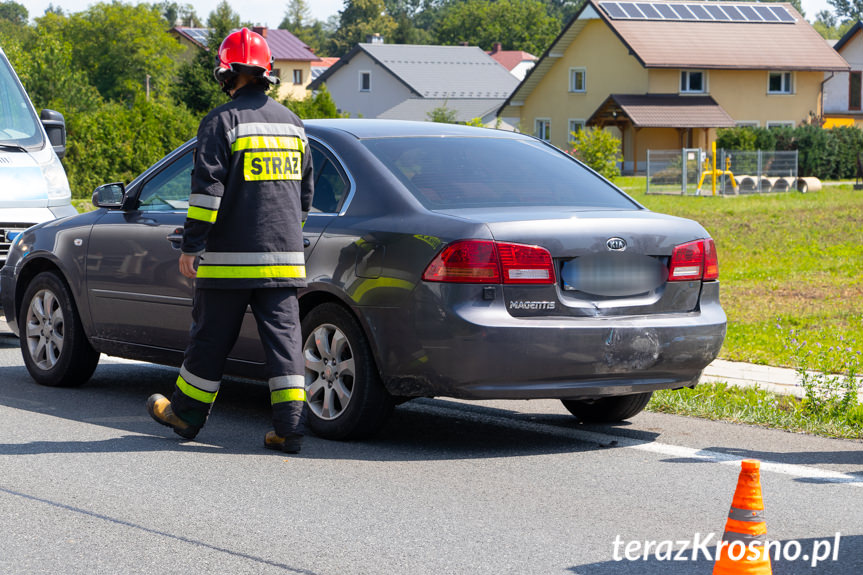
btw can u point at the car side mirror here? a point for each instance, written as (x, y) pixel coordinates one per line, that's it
(109, 196)
(55, 127)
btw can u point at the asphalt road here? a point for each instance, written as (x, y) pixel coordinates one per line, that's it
(90, 484)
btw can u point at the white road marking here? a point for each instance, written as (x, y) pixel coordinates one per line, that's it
(612, 441)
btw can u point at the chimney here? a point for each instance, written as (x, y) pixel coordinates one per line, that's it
(497, 48)
(262, 30)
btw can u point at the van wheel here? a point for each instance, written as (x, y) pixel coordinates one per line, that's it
(55, 350)
(344, 394)
(607, 409)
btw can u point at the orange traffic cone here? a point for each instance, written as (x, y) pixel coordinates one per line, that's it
(743, 551)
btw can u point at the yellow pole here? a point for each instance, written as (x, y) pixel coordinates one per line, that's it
(714, 167)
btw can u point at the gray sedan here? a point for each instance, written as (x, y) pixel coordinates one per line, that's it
(442, 260)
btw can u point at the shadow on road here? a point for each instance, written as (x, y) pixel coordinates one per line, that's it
(420, 430)
(849, 560)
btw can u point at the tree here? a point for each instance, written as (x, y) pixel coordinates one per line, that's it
(120, 47)
(599, 149)
(516, 24)
(318, 105)
(195, 86)
(442, 115)
(179, 14)
(297, 15)
(359, 20)
(14, 12)
(848, 9)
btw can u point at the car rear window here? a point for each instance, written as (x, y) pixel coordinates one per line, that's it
(463, 172)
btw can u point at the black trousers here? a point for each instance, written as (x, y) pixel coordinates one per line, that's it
(217, 315)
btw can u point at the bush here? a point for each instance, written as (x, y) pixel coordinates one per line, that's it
(599, 150)
(825, 154)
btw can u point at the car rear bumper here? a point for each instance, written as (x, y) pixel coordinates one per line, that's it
(477, 350)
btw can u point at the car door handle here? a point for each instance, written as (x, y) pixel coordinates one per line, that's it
(176, 237)
(306, 242)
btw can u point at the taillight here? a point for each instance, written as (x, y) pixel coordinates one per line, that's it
(484, 261)
(694, 261)
(711, 261)
(468, 261)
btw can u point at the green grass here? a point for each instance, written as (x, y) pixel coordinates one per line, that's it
(786, 261)
(757, 407)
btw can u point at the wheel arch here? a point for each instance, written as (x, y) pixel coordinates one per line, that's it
(311, 299)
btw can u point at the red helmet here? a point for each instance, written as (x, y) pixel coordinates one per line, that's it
(244, 51)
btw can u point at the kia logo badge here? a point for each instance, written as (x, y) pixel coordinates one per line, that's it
(616, 244)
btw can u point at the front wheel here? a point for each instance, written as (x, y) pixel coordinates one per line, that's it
(607, 409)
(55, 348)
(344, 394)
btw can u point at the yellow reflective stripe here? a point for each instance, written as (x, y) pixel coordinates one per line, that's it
(251, 272)
(195, 393)
(259, 166)
(291, 394)
(202, 214)
(267, 142)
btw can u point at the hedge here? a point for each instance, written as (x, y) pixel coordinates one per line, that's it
(825, 154)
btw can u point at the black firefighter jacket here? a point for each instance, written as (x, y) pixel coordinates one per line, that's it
(252, 187)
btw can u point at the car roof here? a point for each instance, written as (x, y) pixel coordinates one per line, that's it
(374, 128)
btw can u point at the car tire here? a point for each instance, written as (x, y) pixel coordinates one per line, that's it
(345, 398)
(55, 349)
(607, 409)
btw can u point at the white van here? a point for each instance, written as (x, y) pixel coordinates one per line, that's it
(33, 184)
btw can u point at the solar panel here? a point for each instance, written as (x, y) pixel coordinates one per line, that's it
(733, 13)
(782, 14)
(749, 14)
(666, 11)
(704, 12)
(717, 12)
(699, 11)
(649, 11)
(683, 12)
(631, 10)
(613, 10)
(766, 13)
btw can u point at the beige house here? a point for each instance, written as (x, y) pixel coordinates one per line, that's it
(292, 58)
(666, 75)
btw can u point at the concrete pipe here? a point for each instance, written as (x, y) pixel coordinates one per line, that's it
(746, 184)
(809, 184)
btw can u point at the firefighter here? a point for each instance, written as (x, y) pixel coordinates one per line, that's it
(242, 243)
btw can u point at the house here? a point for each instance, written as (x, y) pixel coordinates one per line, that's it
(408, 82)
(321, 66)
(842, 90)
(666, 75)
(292, 58)
(517, 62)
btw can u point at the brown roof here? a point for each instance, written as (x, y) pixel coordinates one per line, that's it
(662, 111)
(733, 45)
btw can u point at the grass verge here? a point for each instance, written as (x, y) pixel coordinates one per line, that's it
(754, 406)
(786, 261)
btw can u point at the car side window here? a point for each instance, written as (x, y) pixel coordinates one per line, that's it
(169, 189)
(330, 185)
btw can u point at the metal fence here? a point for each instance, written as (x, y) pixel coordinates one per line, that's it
(690, 171)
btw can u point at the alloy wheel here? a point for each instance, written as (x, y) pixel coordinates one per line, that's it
(45, 327)
(330, 371)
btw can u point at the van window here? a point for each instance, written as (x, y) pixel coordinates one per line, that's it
(18, 124)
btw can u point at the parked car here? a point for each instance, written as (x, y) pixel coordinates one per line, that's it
(32, 178)
(442, 260)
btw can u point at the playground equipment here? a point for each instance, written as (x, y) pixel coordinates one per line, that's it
(713, 173)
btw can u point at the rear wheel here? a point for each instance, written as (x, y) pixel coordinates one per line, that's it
(607, 409)
(344, 394)
(53, 344)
